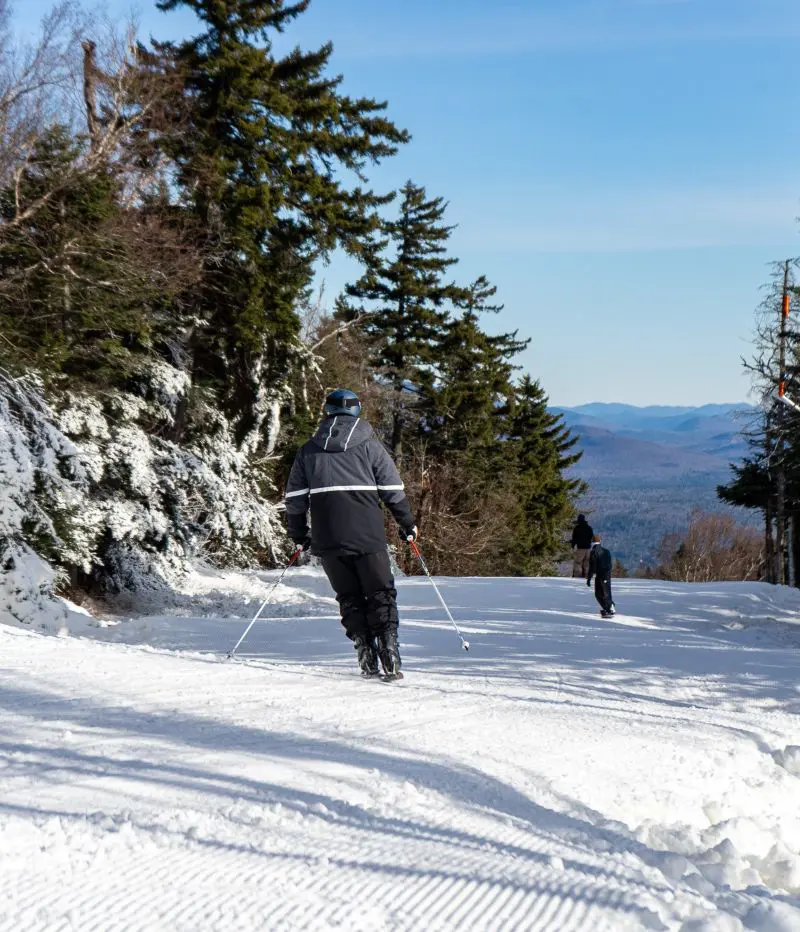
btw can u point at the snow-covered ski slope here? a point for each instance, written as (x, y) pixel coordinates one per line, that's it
(566, 774)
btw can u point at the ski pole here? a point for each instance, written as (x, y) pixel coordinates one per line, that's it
(257, 615)
(413, 544)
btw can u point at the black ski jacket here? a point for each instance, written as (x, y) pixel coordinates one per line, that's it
(342, 475)
(599, 563)
(582, 535)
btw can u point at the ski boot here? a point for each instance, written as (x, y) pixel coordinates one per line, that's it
(367, 656)
(389, 653)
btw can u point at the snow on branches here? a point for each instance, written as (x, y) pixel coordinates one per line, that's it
(153, 504)
(40, 482)
(90, 486)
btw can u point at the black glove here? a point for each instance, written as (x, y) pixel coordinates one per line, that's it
(408, 533)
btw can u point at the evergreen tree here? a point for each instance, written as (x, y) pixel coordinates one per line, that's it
(405, 302)
(271, 139)
(750, 487)
(769, 479)
(458, 461)
(469, 407)
(542, 448)
(79, 295)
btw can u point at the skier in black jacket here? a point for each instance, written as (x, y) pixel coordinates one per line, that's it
(581, 545)
(600, 568)
(342, 475)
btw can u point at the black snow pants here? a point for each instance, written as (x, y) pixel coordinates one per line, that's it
(602, 592)
(365, 591)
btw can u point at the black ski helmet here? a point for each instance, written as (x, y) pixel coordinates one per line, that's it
(342, 401)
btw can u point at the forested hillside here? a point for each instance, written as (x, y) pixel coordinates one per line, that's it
(647, 468)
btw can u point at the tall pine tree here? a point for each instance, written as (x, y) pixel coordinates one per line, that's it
(468, 409)
(459, 468)
(405, 300)
(542, 448)
(267, 161)
(82, 280)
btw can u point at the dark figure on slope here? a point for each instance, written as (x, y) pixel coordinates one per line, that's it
(581, 546)
(600, 568)
(343, 474)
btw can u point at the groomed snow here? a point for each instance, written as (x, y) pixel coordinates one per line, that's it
(566, 774)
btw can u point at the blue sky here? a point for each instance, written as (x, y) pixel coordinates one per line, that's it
(622, 170)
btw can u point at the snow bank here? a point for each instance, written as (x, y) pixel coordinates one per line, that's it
(788, 758)
(737, 853)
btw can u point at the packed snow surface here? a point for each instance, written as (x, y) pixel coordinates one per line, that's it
(568, 773)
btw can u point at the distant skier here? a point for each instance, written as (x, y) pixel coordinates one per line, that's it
(343, 474)
(600, 568)
(581, 545)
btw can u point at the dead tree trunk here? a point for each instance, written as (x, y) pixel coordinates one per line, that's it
(90, 75)
(780, 447)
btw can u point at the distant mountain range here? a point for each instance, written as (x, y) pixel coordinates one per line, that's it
(648, 467)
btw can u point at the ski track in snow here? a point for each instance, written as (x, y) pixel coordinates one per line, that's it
(566, 774)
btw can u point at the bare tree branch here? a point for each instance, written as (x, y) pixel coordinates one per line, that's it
(342, 328)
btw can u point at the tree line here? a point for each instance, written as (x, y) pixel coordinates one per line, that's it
(768, 480)
(164, 210)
